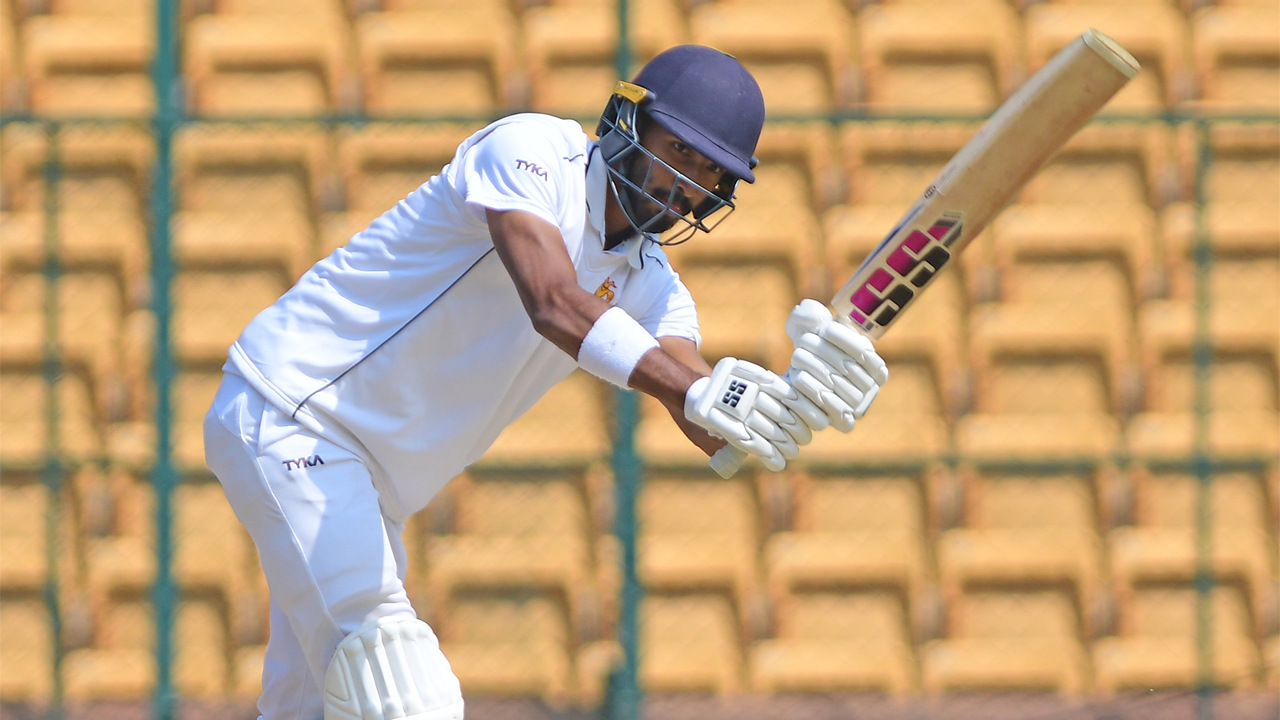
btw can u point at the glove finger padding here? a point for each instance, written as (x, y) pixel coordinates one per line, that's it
(834, 365)
(813, 380)
(858, 348)
(834, 369)
(736, 403)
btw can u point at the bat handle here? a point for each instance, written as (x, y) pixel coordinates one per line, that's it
(727, 460)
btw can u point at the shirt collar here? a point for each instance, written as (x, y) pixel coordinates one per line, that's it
(597, 189)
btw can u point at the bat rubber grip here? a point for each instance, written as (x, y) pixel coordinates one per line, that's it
(727, 460)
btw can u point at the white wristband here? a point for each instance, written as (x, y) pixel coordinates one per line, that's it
(613, 346)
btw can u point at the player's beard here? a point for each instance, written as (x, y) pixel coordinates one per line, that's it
(644, 210)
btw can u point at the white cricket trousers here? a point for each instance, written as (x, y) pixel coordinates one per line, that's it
(332, 561)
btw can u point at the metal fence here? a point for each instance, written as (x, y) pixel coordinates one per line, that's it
(1064, 505)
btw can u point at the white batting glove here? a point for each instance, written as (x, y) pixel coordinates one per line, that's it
(833, 365)
(750, 408)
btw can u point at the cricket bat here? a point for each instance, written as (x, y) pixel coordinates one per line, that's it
(975, 185)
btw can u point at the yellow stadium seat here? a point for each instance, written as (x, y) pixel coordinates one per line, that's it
(773, 223)
(812, 149)
(698, 533)
(570, 52)
(1049, 359)
(1155, 34)
(107, 239)
(82, 64)
(25, 437)
(800, 53)
(1174, 435)
(690, 643)
(837, 640)
(282, 241)
(1236, 50)
(13, 95)
(660, 442)
(513, 535)
(1111, 164)
(515, 644)
(212, 307)
(453, 60)
(938, 58)
(1157, 645)
(1241, 227)
(1242, 374)
(892, 163)
(120, 662)
(26, 665)
(381, 164)
(852, 532)
(202, 666)
(99, 168)
(1106, 237)
(1037, 436)
(1008, 639)
(742, 309)
(567, 427)
(267, 65)
(263, 168)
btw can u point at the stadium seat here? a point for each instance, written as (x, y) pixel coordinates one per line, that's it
(690, 643)
(282, 241)
(510, 644)
(110, 240)
(1157, 646)
(202, 666)
(13, 92)
(120, 663)
(1005, 639)
(812, 149)
(26, 441)
(938, 58)
(98, 168)
(27, 663)
(1236, 51)
(800, 53)
(264, 168)
(1048, 359)
(1029, 529)
(567, 427)
(1231, 227)
(660, 442)
(905, 424)
(211, 308)
(1155, 34)
(95, 65)
(742, 309)
(1245, 360)
(1037, 436)
(454, 60)
(382, 163)
(514, 533)
(267, 65)
(892, 163)
(1106, 237)
(570, 52)
(772, 224)
(1112, 164)
(837, 641)
(1176, 435)
(700, 535)
(852, 531)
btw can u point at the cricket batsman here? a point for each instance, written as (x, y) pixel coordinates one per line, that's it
(396, 361)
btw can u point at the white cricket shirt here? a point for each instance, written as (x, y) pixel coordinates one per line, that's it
(411, 342)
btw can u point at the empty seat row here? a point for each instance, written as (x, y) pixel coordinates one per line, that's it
(812, 57)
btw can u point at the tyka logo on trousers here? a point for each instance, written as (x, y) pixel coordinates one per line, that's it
(306, 462)
(531, 167)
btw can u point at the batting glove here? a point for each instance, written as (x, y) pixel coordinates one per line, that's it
(749, 407)
(833, 365)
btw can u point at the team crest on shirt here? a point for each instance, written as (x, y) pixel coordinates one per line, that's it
(606, 290)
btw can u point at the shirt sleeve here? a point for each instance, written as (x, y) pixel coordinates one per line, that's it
(663, 306)
(512, 168)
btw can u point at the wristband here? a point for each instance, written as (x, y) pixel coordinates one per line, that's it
(613, 346)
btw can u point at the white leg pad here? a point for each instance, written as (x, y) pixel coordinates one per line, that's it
(391, 669)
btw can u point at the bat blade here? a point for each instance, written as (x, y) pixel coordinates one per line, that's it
(975, 185)
(972, 188)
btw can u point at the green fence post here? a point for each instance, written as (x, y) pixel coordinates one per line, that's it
(164, 75)
(1202, 359)
(51, 473)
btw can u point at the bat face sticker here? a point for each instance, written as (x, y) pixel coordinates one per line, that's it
(901, 270)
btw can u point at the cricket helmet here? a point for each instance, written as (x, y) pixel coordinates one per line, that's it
(709, 101)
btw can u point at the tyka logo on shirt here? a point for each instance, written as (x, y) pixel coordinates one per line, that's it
(606, 290)
(291, 465)
(531, 167)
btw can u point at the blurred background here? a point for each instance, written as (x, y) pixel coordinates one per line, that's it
(1064, 504)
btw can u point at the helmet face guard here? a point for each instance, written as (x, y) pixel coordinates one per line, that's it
(631, 166)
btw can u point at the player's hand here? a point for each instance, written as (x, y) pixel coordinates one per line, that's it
(750, 408)
(833, 365)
